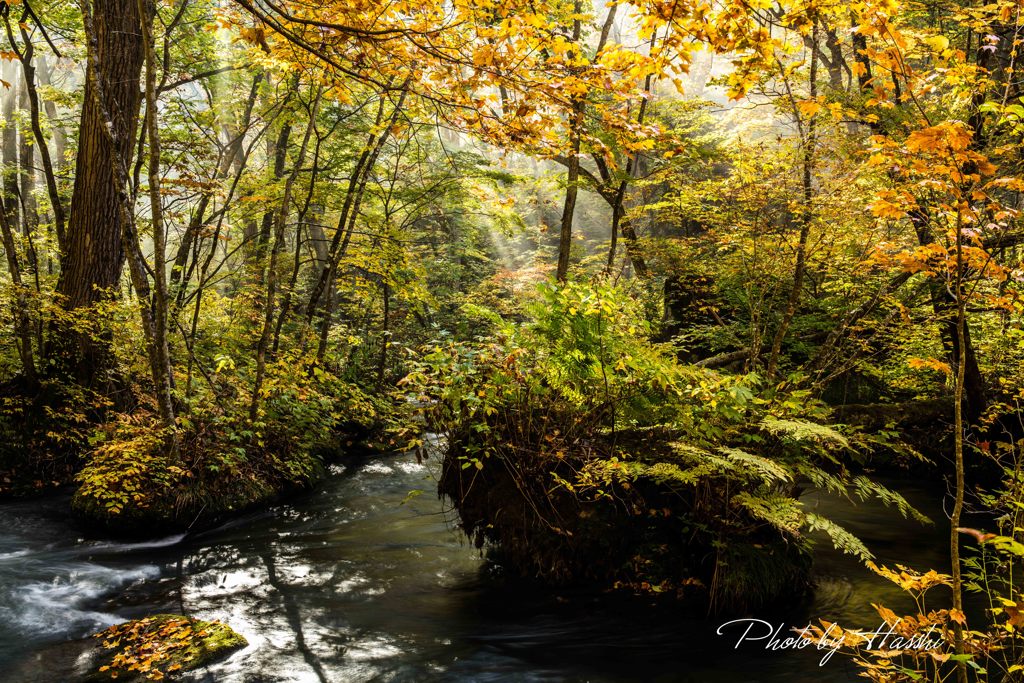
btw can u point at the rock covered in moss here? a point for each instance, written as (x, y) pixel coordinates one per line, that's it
(161, 646)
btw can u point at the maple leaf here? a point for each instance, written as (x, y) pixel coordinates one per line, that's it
(808, 108)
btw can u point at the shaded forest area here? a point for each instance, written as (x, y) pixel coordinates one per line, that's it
(651, 269)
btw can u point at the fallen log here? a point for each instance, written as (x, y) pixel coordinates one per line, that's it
(937, 412)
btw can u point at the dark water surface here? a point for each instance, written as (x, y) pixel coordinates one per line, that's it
(352, 584)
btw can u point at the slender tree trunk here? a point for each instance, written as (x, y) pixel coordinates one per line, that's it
(957, 345)
(30, 104)
(385, 333)
(347, 222)
(353, 195)
(579, 104)
(807, 176)
(620, 224)
(569, 206)
(286, 304)
(163, 373)
(958, 450)
(9, 145)
(279, 150)
(235, 151)
(27, 181)
(54, 167)
(273, 276)
(22, 314)
(49, 175)
(59, 137)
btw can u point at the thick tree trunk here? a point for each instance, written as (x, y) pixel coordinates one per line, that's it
(92, 264)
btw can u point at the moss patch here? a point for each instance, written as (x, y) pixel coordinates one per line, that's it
(161, 646)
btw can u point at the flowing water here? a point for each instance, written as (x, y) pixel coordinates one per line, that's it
(361, 581)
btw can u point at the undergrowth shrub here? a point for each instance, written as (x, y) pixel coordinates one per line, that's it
(224, 461)
(992, 625)
(43, 431)
(583, 450)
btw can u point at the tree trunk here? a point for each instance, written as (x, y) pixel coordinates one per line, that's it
(9, 146)
(273, 275)
(960, 325)
(324, 287)
(958, 344)
(349, 211)
(59, 138)
(385, 334)
(22, 316)
(30, 94)
(807, 176)
(235, 153)
(617, 197)
(279, 151)
(92, 264)
(579, 105)
(160, 356)
(27, 180)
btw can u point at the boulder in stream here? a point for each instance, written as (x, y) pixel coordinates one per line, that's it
(160, 646)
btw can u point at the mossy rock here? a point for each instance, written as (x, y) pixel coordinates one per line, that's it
(202, 500)
(161, 646)
(650, 538)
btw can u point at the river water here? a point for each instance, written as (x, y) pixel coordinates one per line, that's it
(360, 581)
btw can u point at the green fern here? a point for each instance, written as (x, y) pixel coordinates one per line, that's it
(841, 538)
(780, 511)
(801, 431)
(865, 488)
(762, 468)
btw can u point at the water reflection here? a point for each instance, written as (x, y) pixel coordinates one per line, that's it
(357, 582)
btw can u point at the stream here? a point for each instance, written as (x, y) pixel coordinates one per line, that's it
(361, 581)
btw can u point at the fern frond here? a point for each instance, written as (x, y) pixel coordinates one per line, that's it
(866, 488)
(803, 431)
(768, 471)
(782, 512)
(841, 538)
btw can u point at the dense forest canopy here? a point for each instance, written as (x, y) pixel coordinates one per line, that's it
(651, 268)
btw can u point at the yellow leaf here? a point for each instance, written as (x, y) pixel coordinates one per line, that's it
(937, 43)
(930, 364)
(886, 209)
(808, 108)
